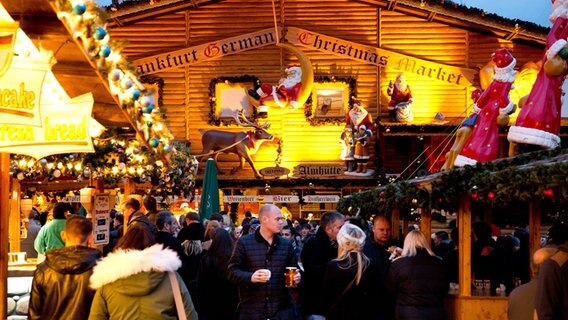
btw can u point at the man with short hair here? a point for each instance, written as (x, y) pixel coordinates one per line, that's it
(194, 229)
(376, 248)
(131, 211)
(551, 301)
(258, 266)
(151, 208)
(49, 236)
(167, 227)
(60, 288)
(521, 299)
(317, 252)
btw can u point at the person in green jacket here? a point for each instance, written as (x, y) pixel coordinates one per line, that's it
(132, 282)
(49, 236)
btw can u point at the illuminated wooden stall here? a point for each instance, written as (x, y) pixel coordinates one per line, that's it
(202, 50)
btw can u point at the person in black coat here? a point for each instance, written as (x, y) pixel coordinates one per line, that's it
(317, 252)
(60, 288)
(217, 296)
(417, 281)
(258, 266)
(349, 284)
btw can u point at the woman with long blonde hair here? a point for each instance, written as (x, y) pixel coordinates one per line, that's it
(349, 282)
(417, 281)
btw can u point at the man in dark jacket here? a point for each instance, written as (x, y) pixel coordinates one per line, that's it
(166, 224)
(376, 248)
(258, 266)
(151, 208)
(60, 288)
(131, 210)
(551, 301)
(317, 252)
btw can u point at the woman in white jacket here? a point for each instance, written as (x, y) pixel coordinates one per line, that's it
(132, 282)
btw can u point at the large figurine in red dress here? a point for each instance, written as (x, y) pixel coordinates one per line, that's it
(494, 102)
(538, 122)
(284, 94)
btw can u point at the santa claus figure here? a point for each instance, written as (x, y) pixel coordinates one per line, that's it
(538, 122)
(358, 116)
(494, 102)
(401, 100)
(284, 94)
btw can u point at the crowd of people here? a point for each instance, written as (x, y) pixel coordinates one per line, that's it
(349, 268)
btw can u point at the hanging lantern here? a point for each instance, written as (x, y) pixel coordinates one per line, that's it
(549, 193)
(491, 195)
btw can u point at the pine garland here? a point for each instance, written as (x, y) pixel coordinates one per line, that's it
(524, 178)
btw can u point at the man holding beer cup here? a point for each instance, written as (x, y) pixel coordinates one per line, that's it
(264, 266)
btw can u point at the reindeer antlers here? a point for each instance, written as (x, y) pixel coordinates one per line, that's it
(241, 114)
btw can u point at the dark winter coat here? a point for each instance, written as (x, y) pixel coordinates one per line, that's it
(60, 288)
(378, 253)
(218, 297)
(551, 301)
(317, 252)
(343, 299)
(262, 300)
(419, 285)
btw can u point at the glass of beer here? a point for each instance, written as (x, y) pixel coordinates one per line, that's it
(289, 277)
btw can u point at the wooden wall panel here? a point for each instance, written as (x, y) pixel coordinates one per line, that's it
(430, 41)
(186, 90)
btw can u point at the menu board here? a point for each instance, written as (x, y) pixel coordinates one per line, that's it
(101, 226)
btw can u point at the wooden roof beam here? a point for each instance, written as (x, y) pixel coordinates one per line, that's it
(392, 5)
(431, 16)
(513, 33)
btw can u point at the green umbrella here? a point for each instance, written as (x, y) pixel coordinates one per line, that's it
(209, 202)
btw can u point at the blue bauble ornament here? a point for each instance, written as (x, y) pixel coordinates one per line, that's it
(43, 162)
(79, 8)
(167, 148)
(115, 75)
(150, 124)
(99, 33)
(135, 94)
(146, 100)
(104, 51)
(154, 142)
(148, 108)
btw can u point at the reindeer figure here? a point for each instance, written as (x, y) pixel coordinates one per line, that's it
(243, 144)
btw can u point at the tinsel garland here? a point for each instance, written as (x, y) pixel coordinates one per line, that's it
(308, 106)
(498, 183)
(115, 158)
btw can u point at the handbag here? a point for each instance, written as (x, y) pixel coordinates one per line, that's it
(177, 296)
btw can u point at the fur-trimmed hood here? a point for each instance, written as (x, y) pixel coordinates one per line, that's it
(123, 264)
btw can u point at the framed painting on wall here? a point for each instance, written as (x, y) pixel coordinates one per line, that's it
(330, 101)
(228, 95)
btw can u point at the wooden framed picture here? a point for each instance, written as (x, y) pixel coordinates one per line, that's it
(228, 95)
(330, 101)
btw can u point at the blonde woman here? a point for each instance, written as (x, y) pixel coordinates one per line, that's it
(350, 289)
(417, 281)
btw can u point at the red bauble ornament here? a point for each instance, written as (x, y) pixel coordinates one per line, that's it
(549, 193)
(474, 196)
(382, 195)
(491, 195)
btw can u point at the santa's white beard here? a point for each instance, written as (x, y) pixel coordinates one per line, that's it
(401, 86)
(291, 81)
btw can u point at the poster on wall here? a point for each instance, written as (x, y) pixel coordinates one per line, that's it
(101, 228)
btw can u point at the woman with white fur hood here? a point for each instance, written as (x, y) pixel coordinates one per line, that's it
(132, 282)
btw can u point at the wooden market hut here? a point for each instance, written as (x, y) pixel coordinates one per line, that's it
(438, 31)
(78, 73)
(533, 182)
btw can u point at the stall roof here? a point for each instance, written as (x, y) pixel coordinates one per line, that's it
(448, 12)
(73, 69)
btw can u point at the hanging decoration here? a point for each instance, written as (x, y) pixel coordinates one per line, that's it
(116, 157)
(527, 177)
(87, 21)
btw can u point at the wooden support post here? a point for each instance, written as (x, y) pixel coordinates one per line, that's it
(426, 222)
(15, 217)
(464, 245)
(395, 223)
(4, 219)
(534, 228)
